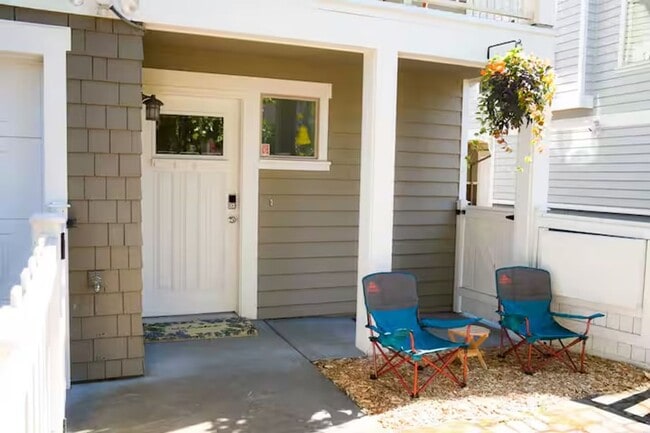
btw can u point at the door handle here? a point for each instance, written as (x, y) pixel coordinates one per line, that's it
(232, 219)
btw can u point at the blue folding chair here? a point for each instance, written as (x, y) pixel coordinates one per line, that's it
(524, 296)
(399, 335)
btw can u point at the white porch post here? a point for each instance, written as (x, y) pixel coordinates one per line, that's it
(531, 197)
(542, 12)
(377, 174)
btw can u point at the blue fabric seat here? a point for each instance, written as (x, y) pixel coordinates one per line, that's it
(524, 296)
(399, 336)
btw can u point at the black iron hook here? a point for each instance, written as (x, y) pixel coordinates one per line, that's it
(517, 43)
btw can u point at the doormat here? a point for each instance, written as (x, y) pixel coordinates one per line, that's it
(205, 329)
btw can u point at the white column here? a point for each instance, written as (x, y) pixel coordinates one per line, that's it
(542, 12)
(531, 197)
(249, 205)
(55, 157)
(377, 174)
(485, 177)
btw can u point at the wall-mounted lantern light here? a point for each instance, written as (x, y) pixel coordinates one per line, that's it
(152, 105)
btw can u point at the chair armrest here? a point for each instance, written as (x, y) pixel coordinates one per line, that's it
(515, 316)
(514, 321)
(375, 329)
(400, 334)
(577, 316)
(449, 323)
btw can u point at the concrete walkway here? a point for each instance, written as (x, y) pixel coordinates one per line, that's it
(229, 385)
(268, 384)
(319, 337)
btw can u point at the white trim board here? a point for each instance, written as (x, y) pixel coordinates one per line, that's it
(248, 90)
(49, 44)
(614, 120)
(311, 23)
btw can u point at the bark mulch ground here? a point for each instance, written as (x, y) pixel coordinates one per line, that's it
(499, 393)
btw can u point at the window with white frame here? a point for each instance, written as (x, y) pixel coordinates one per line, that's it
(294, 125)
(636, 33)
(179, 134)
(289, 127)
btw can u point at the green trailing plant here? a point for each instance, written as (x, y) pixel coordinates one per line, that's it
(516, 90)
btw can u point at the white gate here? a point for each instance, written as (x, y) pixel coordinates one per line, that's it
(484, 243)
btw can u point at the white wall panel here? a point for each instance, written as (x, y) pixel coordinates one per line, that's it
(602, 269)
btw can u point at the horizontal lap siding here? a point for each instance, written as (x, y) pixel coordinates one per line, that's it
(610, 170)
(605, 167)
(505, 170)
(308, 238)
(426, 182)
(567, 46)
(617, 90)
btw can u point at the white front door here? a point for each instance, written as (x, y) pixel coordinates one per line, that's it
(190, 181)
(21, 165)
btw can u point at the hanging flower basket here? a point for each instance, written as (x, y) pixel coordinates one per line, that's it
(516, 90)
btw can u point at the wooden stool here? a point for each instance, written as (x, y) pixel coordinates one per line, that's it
(477, 336)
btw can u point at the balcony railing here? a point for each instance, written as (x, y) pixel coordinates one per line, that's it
(517, 11)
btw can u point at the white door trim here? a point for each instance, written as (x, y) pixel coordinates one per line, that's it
(248, 90)
(50, 44)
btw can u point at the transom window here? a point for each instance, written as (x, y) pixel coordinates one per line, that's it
(179, 134)
(636, 42)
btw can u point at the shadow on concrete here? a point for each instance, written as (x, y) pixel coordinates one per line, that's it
(229, 385)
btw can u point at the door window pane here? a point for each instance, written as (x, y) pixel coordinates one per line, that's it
(289, 127)
(189, 135)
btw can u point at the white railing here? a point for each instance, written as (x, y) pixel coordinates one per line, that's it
(520, 11)
(34, 341)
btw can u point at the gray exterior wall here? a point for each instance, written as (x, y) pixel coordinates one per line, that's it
(427, 178)
(308, 238)
(104, 146)
(607, 167)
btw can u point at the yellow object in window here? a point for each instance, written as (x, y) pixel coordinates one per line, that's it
(302, 137)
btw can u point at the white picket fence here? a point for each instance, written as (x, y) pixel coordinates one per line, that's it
(34, 342)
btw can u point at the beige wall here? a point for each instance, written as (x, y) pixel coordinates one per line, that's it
(104, 146)
(308, 238)
(426, 177)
